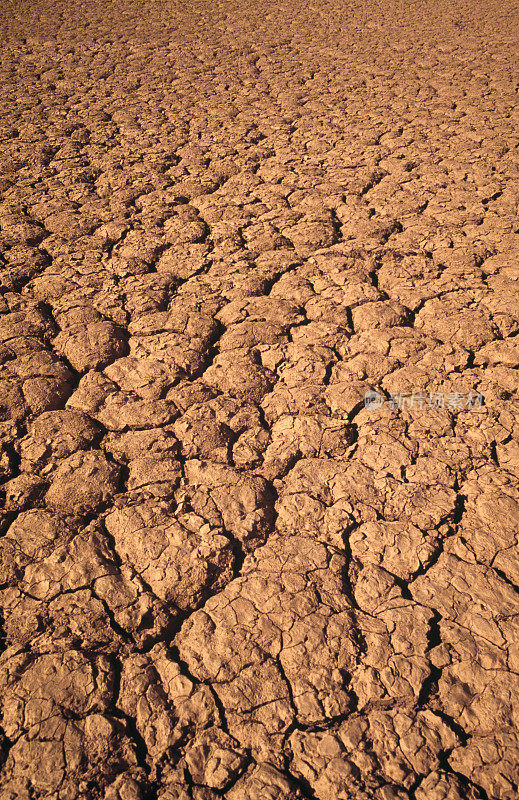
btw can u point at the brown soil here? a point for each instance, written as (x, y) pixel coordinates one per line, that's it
(259, 436)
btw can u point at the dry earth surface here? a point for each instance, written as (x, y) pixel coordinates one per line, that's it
(224, 575)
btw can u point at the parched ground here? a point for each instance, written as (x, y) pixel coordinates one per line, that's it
(225, 573)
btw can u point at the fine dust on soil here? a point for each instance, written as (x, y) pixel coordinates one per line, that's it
(224, 574)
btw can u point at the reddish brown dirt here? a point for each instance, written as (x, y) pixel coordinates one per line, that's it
(224, 573)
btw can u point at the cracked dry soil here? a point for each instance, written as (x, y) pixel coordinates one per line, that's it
(224, 575)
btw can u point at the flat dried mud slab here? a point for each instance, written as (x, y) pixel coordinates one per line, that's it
(225, 573)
